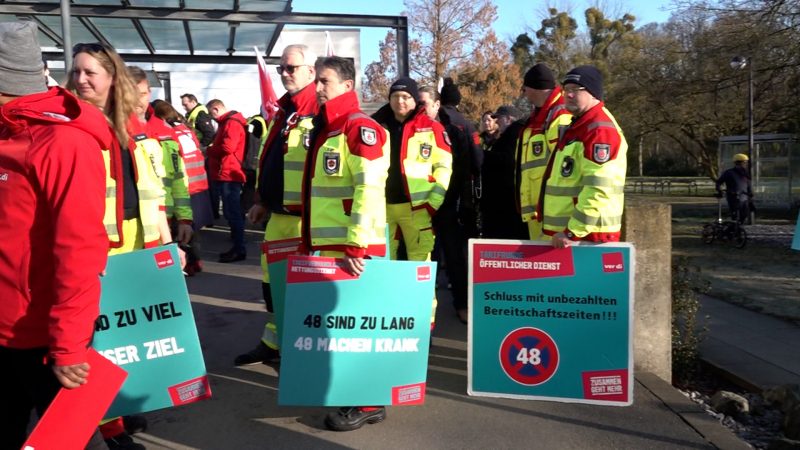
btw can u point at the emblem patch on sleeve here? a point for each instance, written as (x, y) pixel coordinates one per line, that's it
(369, 136)
(538, 147)
(601, 153)
(331, 162)
(425, 151)
(567, 165)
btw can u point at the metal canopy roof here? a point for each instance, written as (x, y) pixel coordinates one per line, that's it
(182, 31)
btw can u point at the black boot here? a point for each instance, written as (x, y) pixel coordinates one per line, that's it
(353, 418)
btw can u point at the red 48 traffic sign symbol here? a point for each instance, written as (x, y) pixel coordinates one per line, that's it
(529, 356)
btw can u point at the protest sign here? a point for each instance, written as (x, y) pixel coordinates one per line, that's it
(551, 324)
(146, 326)
(356, 340)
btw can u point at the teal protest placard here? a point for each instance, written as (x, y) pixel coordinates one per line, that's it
(146, 326)
(356, 340)
(278, 253)
(551, 324)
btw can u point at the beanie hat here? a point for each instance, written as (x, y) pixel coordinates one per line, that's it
(405, 84)
(450, 95)
(588, 77)
(540, 77)
(21, 68)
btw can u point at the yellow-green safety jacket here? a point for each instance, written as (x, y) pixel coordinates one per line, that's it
(344, 182)
(585, 180)
(536, 143)
(280, 177)
(148, 184)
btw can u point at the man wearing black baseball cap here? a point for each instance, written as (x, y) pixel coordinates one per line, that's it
(585, 178)
(538, 140)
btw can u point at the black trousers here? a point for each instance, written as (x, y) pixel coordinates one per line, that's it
(27, 384)
(453, 242)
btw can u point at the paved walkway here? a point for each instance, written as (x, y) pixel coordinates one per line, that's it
(244, 413)
(756, 350)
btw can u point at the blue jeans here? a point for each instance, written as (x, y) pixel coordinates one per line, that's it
(230, 192)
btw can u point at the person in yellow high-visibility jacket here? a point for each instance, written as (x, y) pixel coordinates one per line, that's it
(585, 179)
(344, 181)
(280, 175)
(538, 140)
(419, 174)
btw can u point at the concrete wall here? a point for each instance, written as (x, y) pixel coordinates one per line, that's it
(648, 225)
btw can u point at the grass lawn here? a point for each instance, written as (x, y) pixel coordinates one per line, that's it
(763, 276)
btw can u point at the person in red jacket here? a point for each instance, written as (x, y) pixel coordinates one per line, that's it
(54, 244)
(225, 156)
(194, 162)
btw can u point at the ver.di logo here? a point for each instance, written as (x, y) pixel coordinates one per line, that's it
(612, 262)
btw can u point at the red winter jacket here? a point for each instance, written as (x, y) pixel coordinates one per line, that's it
(226, 153)
(54, 244)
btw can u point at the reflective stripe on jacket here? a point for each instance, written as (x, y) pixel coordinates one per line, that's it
(585, 179)
(538, 140)
(176, 185)
(193, 160)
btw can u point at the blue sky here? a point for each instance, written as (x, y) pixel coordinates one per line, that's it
(512, 20)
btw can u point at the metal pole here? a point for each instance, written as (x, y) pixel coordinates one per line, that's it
(751, 139)
(402, 49)
(752, 154)
(66, 35)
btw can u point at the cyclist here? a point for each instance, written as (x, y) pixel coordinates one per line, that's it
(738, 189)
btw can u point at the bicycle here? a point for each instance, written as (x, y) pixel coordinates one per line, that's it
(724, 230)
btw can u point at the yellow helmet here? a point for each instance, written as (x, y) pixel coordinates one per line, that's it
(740, 157)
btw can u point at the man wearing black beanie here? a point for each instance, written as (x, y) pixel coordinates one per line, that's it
(419, 171)
(582, 197)
(538, 140)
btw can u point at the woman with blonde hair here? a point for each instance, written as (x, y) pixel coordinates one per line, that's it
(135, 197)
(134, 216)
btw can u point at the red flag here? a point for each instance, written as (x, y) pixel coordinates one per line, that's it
(269, 100)
(329, 45)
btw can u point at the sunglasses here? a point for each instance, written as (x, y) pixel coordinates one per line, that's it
(574, 90)
(289, 68)
(94, 47)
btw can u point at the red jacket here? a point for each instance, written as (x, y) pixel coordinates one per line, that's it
(54, 244)
(226, 153)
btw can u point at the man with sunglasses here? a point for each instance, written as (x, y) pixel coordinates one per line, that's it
(582, 188)
(280, 176)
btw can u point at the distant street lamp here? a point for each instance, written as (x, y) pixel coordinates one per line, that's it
(740, 62)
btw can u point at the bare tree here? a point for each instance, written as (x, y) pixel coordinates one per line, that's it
(380, 74)
(448, 31)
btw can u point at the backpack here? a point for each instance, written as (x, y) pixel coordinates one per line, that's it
(254, 131)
